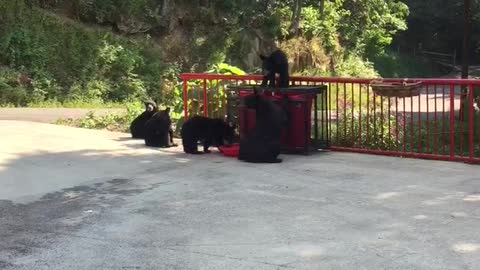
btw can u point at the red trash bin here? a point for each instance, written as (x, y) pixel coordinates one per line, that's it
(299, 113)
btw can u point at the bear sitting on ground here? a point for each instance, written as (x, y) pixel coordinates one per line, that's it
(277, 62)
(262, 144)
(209, 130)
(137, 127)
(158, 130)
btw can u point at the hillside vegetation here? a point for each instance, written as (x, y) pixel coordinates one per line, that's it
(115, 51)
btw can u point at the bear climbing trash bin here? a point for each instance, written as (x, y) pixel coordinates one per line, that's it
(246, 117)
(297, 102)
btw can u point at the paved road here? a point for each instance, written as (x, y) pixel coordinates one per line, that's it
(87, 199)
(48, 115)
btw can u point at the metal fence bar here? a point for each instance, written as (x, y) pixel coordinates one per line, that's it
(185, 99)
(470, 122)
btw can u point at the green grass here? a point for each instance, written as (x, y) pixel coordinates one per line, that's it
(112, 122)
(78, 104)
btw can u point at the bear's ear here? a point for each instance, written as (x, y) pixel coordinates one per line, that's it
(167, 110)
(149, 107)
(150, 103)
(263, 57)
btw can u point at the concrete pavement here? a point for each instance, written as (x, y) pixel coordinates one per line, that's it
(87, 199)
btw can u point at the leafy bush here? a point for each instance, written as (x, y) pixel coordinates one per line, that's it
(369, 127)
(364, 129)
(349, 66)
(12, 92)
(354, 66)
(433, 137)
(68, 61)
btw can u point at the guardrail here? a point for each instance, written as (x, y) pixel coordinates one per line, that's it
(441, 123)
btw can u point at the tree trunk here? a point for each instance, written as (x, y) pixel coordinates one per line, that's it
(466, 40)
(466, 37)
(296, 16)
(165, 7)
(204, 3)
(266, 5)
(322, 9)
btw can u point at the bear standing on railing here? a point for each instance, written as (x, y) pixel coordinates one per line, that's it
(276, 63)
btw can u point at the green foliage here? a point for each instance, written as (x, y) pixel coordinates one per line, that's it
(433, 137)
(216, 94)
(369, 128)
(324, 23)
(77, 103)
(69, 52)
(226, 69)
(104, 11)
(354, 66)
(12, 92)
(394, 65)
(362, 27)
(370, 133)
(370, 25)
(66, 61)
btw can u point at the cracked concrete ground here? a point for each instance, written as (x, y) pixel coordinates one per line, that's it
(83, 199)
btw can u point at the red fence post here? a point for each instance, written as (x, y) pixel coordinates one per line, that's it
(205, 98)
(427, 140)
(452, 121)
(470, 121)
(185, 99)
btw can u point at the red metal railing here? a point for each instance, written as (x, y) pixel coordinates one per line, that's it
(442, 123)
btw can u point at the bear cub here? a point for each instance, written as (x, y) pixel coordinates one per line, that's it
(276, 63)
(208, 130)
(137, 127)
(262, 144)
(158, 130)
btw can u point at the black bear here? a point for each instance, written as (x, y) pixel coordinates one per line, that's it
(158, 130)
(209, 130)
(137, 127)
(277, 62)
(262, 144)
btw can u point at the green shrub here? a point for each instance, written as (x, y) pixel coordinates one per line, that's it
(368, 127)
(68, 61)
(354, 66)
(12, 92)
(394, 65)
